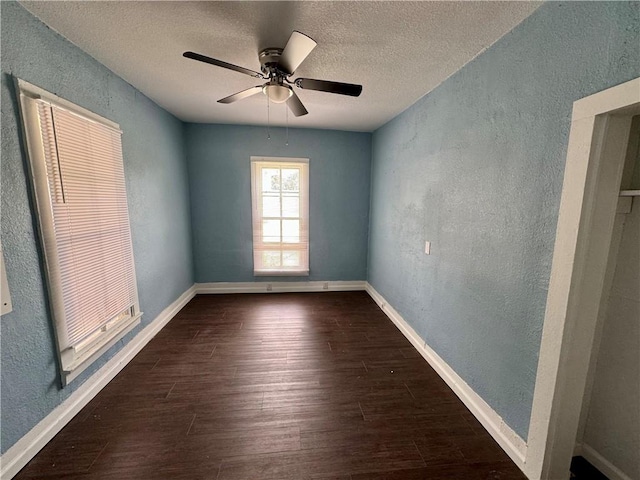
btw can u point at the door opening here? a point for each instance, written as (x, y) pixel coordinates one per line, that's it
(600, 132)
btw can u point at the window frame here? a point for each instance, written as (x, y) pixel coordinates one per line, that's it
(259, 246)
(72, 360)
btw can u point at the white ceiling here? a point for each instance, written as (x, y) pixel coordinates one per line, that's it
(398, 51)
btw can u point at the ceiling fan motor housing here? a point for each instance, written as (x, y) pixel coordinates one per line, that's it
(269, 58)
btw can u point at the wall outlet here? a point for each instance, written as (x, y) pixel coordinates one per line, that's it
(269, 287)
(427, 248)
(325, 286)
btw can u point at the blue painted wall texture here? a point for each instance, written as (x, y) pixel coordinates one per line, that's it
(476, 167)
(220, 183)
(157, 189)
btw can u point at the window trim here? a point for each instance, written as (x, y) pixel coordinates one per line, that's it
(72, 360)
(304, 216)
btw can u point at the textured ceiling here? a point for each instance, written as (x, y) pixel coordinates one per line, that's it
(398, 51)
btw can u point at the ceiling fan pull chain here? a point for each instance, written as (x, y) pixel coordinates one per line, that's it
(287, 123)
(268, 121)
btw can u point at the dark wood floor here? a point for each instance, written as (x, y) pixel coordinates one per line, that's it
(581, 469)
(275, 386)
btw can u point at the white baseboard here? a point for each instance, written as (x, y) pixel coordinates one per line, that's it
(577, 450)
(602, 464)
(28, 446)
(509, 440)
(280, 287)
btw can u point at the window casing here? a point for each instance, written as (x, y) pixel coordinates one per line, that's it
(76, 166)
(280, 208)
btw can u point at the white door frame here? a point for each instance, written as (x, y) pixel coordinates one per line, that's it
(598, 141)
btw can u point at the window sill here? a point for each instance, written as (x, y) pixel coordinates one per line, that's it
(74, 363)
(281, 273)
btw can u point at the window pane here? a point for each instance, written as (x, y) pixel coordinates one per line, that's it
(291, 206)
(290, 179)
(291, 231)
(290, 259)
(271, 230)
(280, 215)
(271, 259)
(270, 179)
(270, 206)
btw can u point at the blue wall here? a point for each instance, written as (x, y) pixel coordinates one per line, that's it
(218, 157)
(476, 167)
(157, 189)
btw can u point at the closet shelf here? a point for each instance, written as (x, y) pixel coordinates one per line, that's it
(630, 193)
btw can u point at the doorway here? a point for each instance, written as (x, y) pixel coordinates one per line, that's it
(609, 429)
(598, 145)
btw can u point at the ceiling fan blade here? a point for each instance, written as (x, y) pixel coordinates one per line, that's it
(297, 49)
(220, 63)
(296, 106)
(331, 87)
(240, 95)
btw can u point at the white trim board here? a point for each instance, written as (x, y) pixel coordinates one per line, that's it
(279, 287)
(509, 440)
(30, 444)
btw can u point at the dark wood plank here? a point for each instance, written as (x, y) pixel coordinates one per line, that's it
(280, 386)
(466, 471)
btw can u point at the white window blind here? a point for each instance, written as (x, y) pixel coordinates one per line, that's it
(77, 169)
(280, 201)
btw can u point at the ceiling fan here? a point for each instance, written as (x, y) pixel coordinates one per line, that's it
(277, 65)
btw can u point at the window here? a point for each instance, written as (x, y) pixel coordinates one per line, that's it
(280, 198)
(76, 166)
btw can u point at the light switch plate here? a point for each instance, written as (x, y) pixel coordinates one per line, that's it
(427, 248)
(5, 297)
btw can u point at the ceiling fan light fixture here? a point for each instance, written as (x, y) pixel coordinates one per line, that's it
(277, 93)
